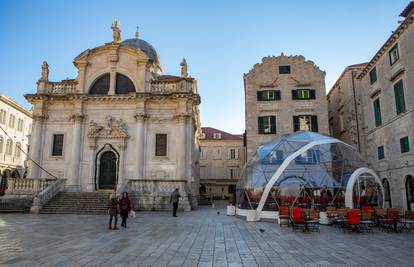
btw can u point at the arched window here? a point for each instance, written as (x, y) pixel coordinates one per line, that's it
(387, 192)
(123, 84)
(101, 85)
(17, 151)
(409, 190)
(1, 144)
(9, 147)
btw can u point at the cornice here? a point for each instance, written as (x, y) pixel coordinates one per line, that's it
(15, 105)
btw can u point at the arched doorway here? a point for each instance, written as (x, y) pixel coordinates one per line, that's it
(387, 193)
(409, 190)
(107, 170)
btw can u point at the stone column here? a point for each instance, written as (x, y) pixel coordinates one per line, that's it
(92, 156)
(121, 172)
(139, 143)
(36, 146)
(74, 174)
(181, 146)
(81, 65)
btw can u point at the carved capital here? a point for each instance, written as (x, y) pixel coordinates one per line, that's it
(40, 117)
(183, 117)
(77, 117)
(81, 64)
(141, 117)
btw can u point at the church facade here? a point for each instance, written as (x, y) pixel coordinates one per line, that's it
(120, 124)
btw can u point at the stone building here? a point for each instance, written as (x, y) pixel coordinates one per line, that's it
(16, 121)
(121, 123)
(345, 106)
(222, 156)
(371, 107)
(283, 94)
(388, 102)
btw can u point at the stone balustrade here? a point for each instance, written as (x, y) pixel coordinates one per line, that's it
(26, 186)
(156, 187)
(166, 87)
(63, 87)
(47, 194)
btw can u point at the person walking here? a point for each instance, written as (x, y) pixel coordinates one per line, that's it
(175, 197)
(125, 208)
(113, 211)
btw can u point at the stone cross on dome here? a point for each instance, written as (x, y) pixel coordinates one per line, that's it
(137, 32)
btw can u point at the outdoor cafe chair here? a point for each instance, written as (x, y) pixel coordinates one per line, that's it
(390, 221)
(297, 219)
(352, 221)
(366, 223)
(284, 214)
(312, 220)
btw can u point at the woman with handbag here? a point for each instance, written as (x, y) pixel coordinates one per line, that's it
(113, 211)
(125, 208)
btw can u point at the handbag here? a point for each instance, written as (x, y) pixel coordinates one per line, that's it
(132, 214)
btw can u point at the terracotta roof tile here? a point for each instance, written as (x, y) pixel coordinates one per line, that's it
(209, 133)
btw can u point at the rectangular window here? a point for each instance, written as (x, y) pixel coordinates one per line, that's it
(305, 123)
(160, 145)
(20, 125)
(3, 116)
(399, 97)
(11, 121)
(274, 157)
(404, 144)
(268, 95)
(267, 124)
(373, 75)
(232, 153)
(216, 135)
(394, 54)
(57, 145)
(217, 153)
(380, 152)
(284, 69)
(202, 154)
(377, 112)
(303, 94)
(311, 156)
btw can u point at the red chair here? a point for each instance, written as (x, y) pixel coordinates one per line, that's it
(352, 222)
(297, 220)
(284, 214)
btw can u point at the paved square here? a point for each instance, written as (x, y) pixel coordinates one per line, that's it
(199, 238)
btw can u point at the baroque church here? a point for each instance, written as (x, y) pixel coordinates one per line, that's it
(121, 124)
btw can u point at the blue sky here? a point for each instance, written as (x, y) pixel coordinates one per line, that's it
(221, 40)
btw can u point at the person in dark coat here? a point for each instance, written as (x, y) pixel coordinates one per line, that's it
(113, 211)
(125, 208)
(175, 197)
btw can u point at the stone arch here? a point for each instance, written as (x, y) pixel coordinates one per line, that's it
(107, 151)
(409, 191)
(100, 85)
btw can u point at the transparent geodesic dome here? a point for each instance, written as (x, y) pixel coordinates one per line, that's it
(309, 170)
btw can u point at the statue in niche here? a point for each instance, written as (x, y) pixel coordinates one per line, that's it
(116, 32)
(45, 71)
(184, 67)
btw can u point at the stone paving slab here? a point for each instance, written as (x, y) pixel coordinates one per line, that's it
(198, 238)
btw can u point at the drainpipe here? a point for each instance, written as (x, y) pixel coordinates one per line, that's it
(356, 108)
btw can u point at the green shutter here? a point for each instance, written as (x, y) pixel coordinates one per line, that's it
(404, 144)
(277, 95)
(373, 75)
(273, 124)
(261, 125)
(314, 123)
(294, 94)
(259, 95)
(380, 152)
(312, 94)
(377, 112)
(399, 97)
(295, 123)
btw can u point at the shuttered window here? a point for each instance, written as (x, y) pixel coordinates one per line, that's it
(303, 94)
(267, 124)
(373, 75)
(284, 69)
(381, 154)
(377, 112)
(268, 95)
(404, 144)
(305, 123)
(161, 145)
(394, 54)
(57, 145)
(399, 97)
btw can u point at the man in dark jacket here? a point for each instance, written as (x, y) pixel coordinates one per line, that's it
(175, 197)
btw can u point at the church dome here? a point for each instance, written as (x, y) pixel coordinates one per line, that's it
(144, 46)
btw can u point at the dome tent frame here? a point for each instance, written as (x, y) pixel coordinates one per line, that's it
(278, 175)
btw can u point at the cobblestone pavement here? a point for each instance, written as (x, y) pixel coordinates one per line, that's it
(198, 238)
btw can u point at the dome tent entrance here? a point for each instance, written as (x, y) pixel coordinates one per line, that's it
(306, 169)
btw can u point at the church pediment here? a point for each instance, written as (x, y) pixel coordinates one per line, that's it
(111, 129)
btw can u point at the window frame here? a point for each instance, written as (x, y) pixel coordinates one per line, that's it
(372, 76)
(264, 95)
(158, 153)
(53, 145)
(377, 108)
(404, 145)
(285, 69)
(399, 106)
(267, 122)
(390, 53)
(380, 152)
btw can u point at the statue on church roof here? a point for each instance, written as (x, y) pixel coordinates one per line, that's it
(45, 71)
(116, 32)
(184, 67)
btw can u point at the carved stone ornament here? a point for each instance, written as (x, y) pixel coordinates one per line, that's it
(45, 71)
(112, 129)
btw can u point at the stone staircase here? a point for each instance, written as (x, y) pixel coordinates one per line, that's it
(77, 203)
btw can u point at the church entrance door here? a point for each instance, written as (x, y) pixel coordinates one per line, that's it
(107, 170)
